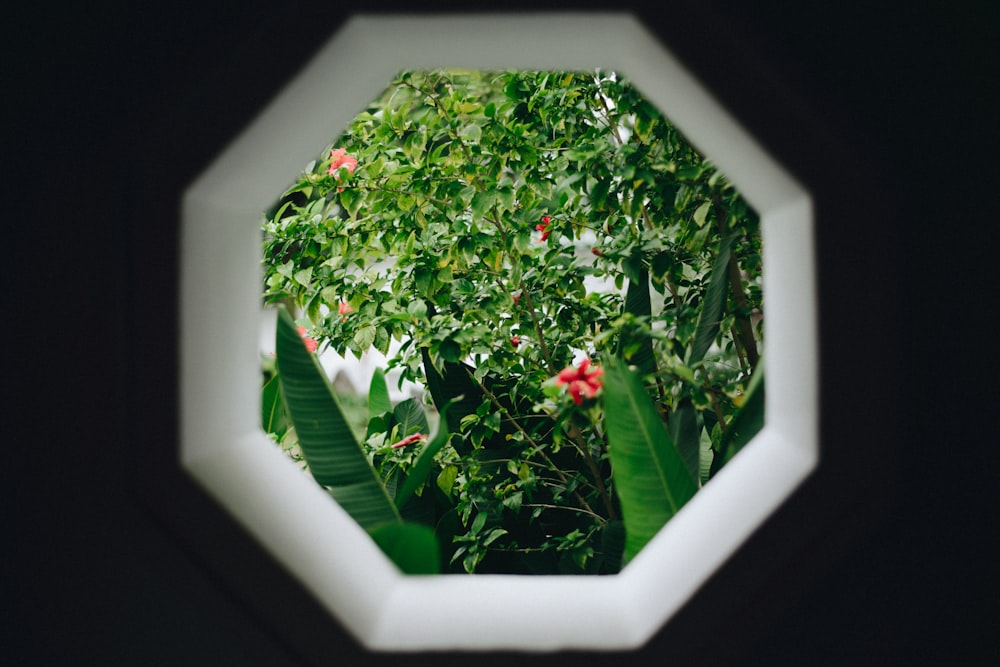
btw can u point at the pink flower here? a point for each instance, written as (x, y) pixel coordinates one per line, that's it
(582, 382)
(409, 440)
(515, 340)
(339, 158)
(311, 343)
(343, 308)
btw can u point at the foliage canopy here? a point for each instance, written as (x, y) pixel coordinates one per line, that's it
(500, 227)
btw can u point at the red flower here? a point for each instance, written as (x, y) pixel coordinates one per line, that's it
(338, 159)
(515, 340)
(582, 382)
(408, 440)
(343, 308)
(596, 251)
(516, 297)
(311, 343)
(543, 227)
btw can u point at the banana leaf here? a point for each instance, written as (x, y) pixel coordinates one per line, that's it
(452, 383)
(685, 430)
(272, 412)
(713, 303)
(638, 303)
(411, 546)
(332, 453)
(651, 478)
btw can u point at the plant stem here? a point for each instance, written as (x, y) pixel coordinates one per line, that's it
(526, 295)
(576, 437)
(499, 406)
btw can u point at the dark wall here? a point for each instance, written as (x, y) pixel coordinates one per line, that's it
(110, 109)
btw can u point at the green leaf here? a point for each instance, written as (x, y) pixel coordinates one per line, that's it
(411, 546)
(686, 432)
(422, 466)
(482, 202)
(452, 383)
(379, 402)
(410, 418)
(364, 337)
(450, 350)
(613, 545)
(637, 302)
(351, 201)
(334, 457)
(599, 194)
(701, 212)
(652, 480)
(272, 413)
(712, 304)
(471, 133)
(746, 423)
(303, 277)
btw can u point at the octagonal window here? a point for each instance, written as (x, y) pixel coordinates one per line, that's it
(545, 254)
(553, 226)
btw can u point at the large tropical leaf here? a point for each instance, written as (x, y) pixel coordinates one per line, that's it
(686, 433)
(713, 303)
(272, 412)
(411, 546)
(332, 453)
(638, 303)
(652, 481)
(452, 382)
(612, 546)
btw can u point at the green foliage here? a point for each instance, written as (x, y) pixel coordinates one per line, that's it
(336, 460)
(499, 226)
(652, 479)
(334, 457)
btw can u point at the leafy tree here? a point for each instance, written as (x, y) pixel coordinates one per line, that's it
(502, 226)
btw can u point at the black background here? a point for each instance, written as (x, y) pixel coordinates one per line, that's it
(110, 109)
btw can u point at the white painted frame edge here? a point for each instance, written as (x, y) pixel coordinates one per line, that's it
(223, 448)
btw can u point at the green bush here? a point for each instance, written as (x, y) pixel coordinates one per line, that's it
(509, 229)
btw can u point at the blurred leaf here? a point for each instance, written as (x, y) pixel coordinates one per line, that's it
(686, 432)
(613, 546)
(701, 212)
(411, 546)
(272, 412)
